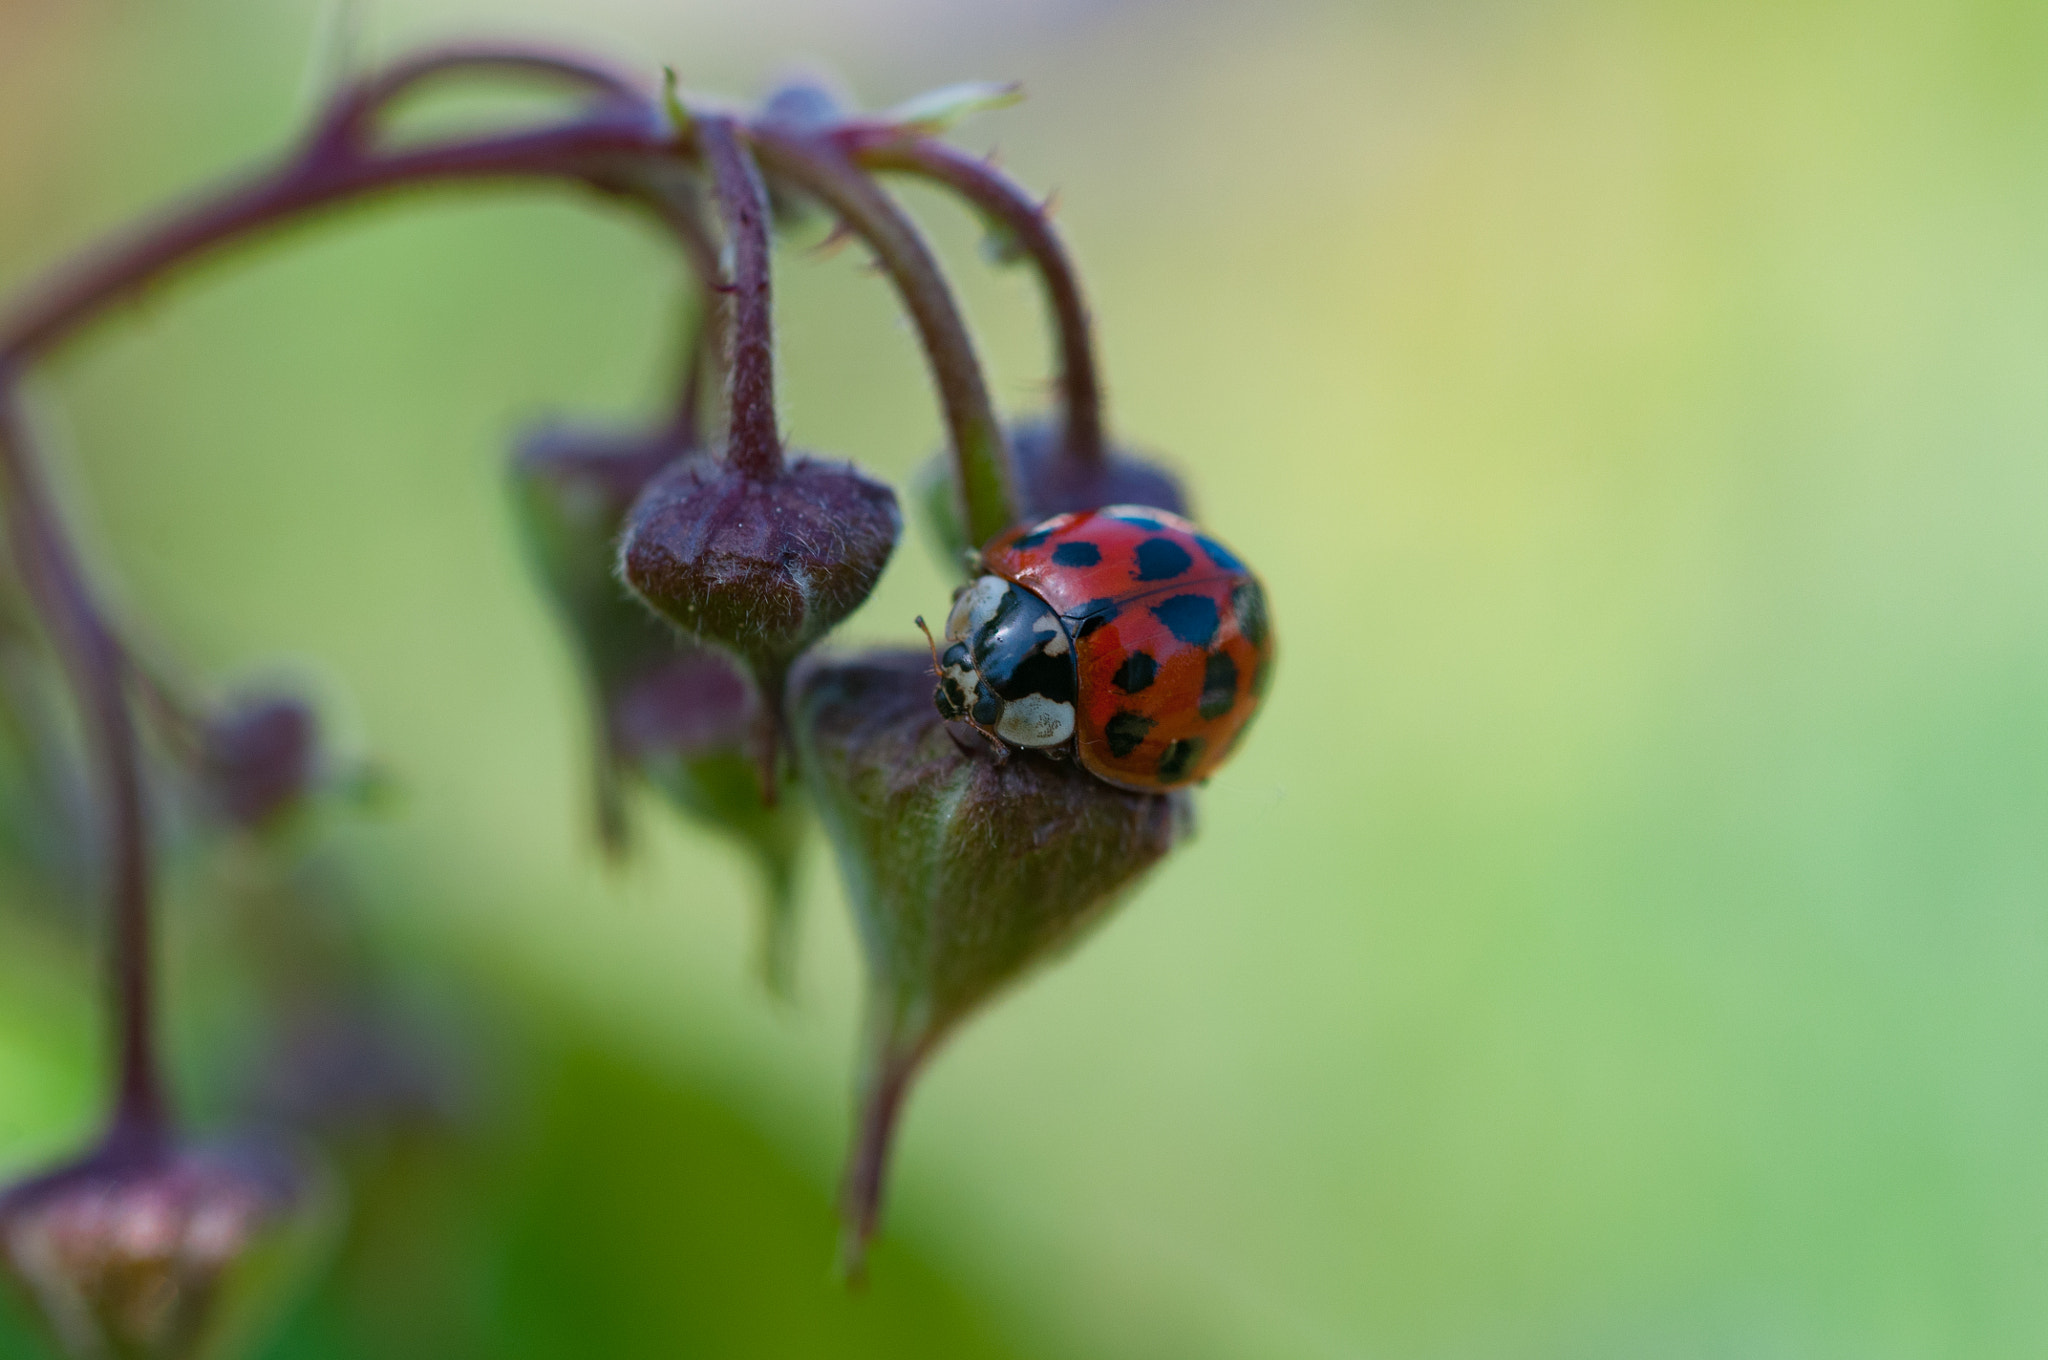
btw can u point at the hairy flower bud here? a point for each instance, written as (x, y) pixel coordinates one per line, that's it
(677, 716)
(169, 1253)
(762, 567)
(1050, 481)
(962, 870)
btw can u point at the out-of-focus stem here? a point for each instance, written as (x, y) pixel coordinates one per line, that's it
(593, 151)
(1017, 212)
(93, 660)
(753, 445)
(981, 458)
(698, 326)
(356, 109)
(624, 148)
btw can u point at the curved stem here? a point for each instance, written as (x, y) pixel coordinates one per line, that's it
(981, 458)
(94, 662)
(355, 109)
(589, 151)
(1018, 213)
(623, 151)
(752, 443)
(697, 328)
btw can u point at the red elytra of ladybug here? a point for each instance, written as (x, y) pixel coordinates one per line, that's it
(1171, 640)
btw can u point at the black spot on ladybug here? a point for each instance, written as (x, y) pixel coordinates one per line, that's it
(1191, 618)
(1076, 554)
(1033, 539)
(1177, 757)
(1091, 616)
(1136, 673)
(1218, 554)
(1248, 602)
(988, 709)
(1219, 686)
(1161, 559)
(1125, 731)
(1145, 522)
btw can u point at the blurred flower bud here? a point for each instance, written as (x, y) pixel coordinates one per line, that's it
(574, 486)
(679, 716)
(166, 1254)
(1050, 481)
(684, 728)
(806, 99)
(962, 871)
(259, 759)
(763, 567)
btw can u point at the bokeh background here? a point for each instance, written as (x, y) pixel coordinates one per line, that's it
(1626, 936)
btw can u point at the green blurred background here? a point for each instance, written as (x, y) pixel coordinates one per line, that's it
(1625, 936)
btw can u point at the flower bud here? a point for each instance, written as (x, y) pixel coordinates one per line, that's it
(573, 488)
(761, 566)
(258, 759)
(166, 1253)
(684, 728)
(962, 871)
(674, 715)
(1050, 481)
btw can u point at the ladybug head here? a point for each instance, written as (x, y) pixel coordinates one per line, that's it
(1006, 666)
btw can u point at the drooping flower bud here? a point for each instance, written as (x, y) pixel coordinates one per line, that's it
(761, 567)
(757, 551)
(677, 716)
(167, 1253)
(1051, 480)
(962, 871)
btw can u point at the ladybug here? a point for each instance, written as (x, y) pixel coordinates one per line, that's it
(1124, 635)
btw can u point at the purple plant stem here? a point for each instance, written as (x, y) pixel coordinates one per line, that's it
(753, 445)
(93, 662)
(595, 151)
(1008, 203)
(981, 457)
(613, 152)
(356, 108)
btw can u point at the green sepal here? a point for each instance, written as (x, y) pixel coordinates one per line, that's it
(962, 872)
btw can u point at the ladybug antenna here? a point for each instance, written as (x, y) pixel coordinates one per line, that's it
(934, 645)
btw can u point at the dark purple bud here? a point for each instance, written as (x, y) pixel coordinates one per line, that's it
(573, 487)
(681, 717)
(963, 871)
(762, 567)
(259, 759)
(1051, 480)
(170, 1253)
(685, 729)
